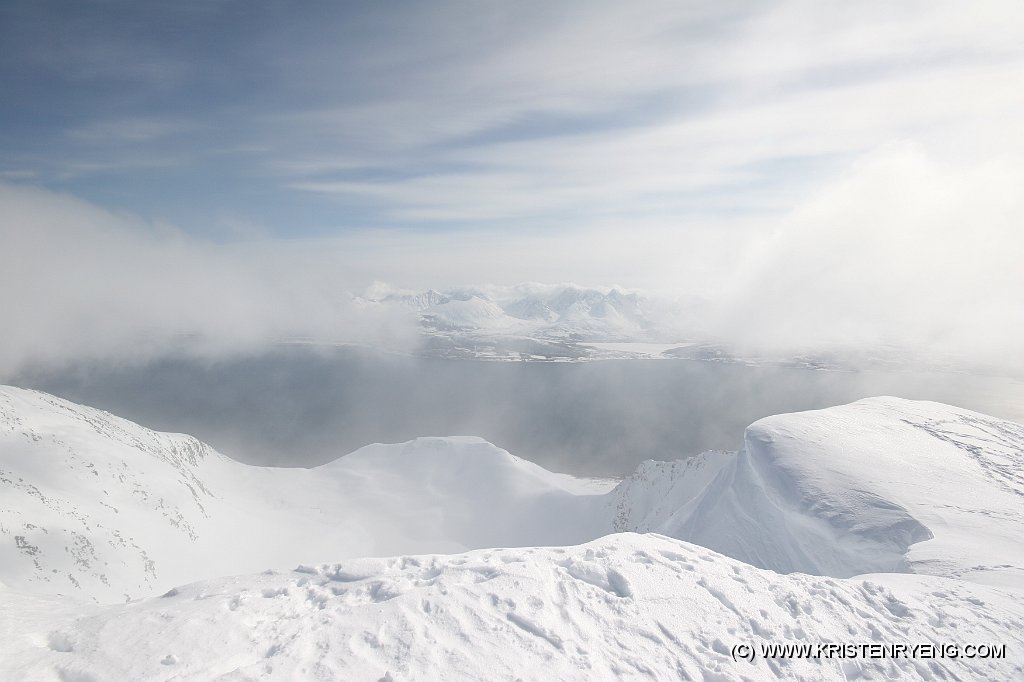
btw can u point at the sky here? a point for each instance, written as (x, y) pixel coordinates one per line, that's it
(825, 170)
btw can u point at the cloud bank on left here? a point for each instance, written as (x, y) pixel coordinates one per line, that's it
(82, 282)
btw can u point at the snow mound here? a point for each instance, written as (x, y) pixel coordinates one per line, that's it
(946, 483)
(883, 484)
(95, 506)
(622, 607)
(457, 493)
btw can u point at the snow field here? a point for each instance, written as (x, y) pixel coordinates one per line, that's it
(885, 521)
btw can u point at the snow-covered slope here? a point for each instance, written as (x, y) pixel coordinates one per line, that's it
(97, 506)
(94, 505)
(88, 500)
(882, 484)
(622, 607)
(473, 313)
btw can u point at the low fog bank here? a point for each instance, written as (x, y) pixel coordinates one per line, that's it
(903, 251)
(297, 406)
(82, 283)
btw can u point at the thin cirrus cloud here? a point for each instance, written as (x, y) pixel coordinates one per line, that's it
(131, 130)
(704, 147)
(373, 116)
(725, 117)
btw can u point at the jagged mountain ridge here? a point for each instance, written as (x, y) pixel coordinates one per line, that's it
(563, 322)
(563, 311)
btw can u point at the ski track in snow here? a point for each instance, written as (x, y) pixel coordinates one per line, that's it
(749, 546)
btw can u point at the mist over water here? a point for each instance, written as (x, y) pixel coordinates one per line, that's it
(298, 406)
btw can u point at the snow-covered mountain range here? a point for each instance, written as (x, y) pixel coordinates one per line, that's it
(540, 322)
(568, 322)
(557, 311)
(756, 545)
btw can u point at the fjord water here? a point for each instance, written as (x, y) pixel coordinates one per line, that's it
(301, 406)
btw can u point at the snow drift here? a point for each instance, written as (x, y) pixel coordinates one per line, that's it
(622, 607)
(97, 506)
(882, 484)
(95, 509)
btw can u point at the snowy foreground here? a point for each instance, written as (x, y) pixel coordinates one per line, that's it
(633, 606)
(922, 502)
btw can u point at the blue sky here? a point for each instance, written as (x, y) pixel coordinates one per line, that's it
(740, 151)
(318, 118)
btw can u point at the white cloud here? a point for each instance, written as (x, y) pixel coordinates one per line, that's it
(903, 250)
(827, 172)
(740, 93)
(80, 282)
(131, 130)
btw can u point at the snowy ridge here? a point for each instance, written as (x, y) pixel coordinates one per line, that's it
(96, 506)
(61, 494)
(883, 484)
(625, 606)
(945, 483)
(93, 507)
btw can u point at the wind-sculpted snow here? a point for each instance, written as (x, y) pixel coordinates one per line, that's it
(941, 483)
(96, 506)
(732, 503)
(623, 607)
(883, 484)
(879, 485)
(96, 509)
